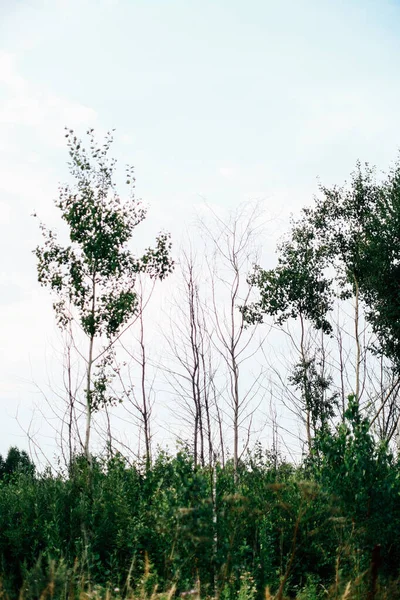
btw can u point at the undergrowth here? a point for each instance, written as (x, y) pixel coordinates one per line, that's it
(329, 528)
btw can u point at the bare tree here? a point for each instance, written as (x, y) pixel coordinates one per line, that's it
(231, 250)
(191, 366)
(135, 375)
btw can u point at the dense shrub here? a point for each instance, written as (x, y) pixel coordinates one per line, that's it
(174, 524)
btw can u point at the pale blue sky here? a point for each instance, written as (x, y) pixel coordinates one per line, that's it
(225, 99)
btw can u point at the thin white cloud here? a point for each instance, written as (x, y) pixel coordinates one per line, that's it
(27, 105)
(227, 172)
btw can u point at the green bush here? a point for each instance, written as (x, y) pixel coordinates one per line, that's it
(295, 528)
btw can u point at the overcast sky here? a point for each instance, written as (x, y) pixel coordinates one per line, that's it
(226, 100)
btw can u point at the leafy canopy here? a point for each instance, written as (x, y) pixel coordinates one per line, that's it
(96, 272)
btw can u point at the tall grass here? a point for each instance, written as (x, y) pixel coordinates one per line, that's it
(60, 583)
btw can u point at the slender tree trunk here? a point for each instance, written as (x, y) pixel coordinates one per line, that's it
(200, 411)
(213, 468)
(357, 336)
(206, 390)
(233, 339)
(145, 403)
(221, 434)
(341, 366)
(195, 439)
(305, 384)
(89, 376)
(71, 401)
(236, 405)
(89, 402)
(109, 434)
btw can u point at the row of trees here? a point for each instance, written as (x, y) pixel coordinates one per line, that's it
(341, 257)
(308, 351)
(102, 290)
(243, 342)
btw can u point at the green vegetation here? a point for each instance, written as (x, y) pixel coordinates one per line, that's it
(94, 276)
(298, 529)
(205, 522)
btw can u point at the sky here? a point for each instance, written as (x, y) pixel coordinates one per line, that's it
(223, 101)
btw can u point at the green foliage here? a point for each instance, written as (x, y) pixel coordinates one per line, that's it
(339, 219)
(16, 462)
(174, 526)
(361, 473)
(96, 273)
(156, 527)
(314, 385)
(357, 228)
(352, 234)
(379, 264)
(247, 589)
(355, 231)
(93, 277)
(297, 287)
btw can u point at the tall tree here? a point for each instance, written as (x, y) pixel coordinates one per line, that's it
(339, 221)
(93, 277)
(343, 248)
(357, 227)
(231, 249)
(136, 385)
(192, 364)
(379, 263)
(298, 289)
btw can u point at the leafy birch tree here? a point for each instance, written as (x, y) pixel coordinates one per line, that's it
(298, 289)
(93, 277)
(343, 250)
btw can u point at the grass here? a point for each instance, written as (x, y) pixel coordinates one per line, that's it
(60, 583)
